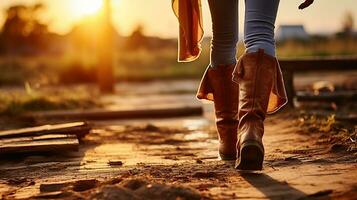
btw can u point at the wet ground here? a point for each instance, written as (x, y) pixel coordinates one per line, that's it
(170, 158)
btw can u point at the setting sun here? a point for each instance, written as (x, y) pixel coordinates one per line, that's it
(86, 7)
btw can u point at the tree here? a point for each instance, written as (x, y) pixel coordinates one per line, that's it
(347, 25)
(137, 39)
(22, 32)
(106, 78)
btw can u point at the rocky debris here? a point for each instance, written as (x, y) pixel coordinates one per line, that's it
(114, 192)
(117, 189)
(160, 191)
(339, 135)
(134, 184)
(141, 189)
(212, 178)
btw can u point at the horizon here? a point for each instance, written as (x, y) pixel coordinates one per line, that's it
(313, 18)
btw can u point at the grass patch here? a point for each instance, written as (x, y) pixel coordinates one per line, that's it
(14, 102)
(341, 136)
(146, 64)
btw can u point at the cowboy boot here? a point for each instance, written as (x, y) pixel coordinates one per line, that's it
(217, 86)
(255, 74)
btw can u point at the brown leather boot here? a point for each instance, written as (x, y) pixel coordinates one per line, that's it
(217, 86)
(256, 74)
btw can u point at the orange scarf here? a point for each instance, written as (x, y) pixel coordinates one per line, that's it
(189, 14)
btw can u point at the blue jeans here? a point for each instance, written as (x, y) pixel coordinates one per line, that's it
(259, 25)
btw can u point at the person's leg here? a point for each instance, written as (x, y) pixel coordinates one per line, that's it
(256, 73)
(217, 84)
(224, 15)
(259, 25)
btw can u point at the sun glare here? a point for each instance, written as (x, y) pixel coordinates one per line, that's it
(86, 7)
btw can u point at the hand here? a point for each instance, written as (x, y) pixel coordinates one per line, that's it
(306, 4)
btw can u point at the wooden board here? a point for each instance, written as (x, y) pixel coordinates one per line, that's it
(119, 114)
(290, 66)
(80, 129)
(319, 64)
(4, 141)
(47, 143)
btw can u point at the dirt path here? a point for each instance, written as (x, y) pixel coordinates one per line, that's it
(182, 152)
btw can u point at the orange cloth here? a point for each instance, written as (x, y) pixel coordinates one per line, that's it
(189, 14)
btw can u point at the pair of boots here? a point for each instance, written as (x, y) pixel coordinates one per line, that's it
(243, 94)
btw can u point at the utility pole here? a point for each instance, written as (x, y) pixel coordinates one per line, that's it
(105, 71)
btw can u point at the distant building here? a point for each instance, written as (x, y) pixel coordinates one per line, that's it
(286, 32)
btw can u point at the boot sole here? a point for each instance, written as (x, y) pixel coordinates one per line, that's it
(227, 157)
(251, 156)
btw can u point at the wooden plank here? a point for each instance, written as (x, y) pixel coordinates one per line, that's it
(319, 64)
(34, 138)
(80, 129)
(290, 66)
(69, 143)
(120, 114)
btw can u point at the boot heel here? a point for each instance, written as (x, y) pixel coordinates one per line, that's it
(251, 156)
(227, 156)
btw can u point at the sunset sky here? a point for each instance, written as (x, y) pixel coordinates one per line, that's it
(157, 18)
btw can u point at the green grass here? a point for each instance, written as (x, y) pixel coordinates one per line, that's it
(318, 48)
(14, 101)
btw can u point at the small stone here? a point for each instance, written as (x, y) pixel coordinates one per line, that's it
(115, 163)
(151, 128)
(83, 185)
(204, 175)
(53, 187)
(291, 159)
(337, 148)
(134, 184)
(199, 161)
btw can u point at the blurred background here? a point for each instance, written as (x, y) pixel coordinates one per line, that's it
(73, 42)
(108, 111)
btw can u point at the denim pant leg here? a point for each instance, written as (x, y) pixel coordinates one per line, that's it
(224, 15)
(259, 25)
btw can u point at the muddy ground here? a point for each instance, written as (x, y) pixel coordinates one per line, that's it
(177, 159)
